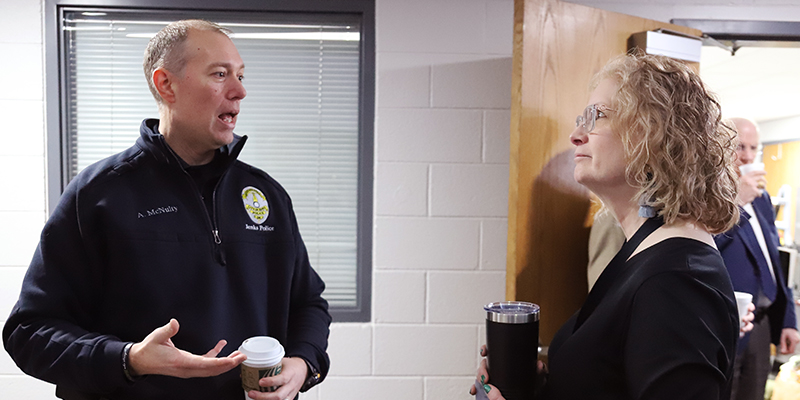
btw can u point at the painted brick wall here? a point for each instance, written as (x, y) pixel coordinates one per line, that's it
(22, 169)
(441, 185)
(441, 200)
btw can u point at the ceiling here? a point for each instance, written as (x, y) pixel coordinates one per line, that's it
(760, 83)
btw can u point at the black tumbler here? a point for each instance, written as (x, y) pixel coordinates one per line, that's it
(512, 336)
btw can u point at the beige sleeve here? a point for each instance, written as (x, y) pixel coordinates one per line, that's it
(605, 240)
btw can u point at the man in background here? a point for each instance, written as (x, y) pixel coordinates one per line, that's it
(750, 251)
(173, 229)
(605, 239)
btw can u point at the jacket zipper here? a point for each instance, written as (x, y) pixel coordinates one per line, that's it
(218, 253)
(211, 219)
(216, 237)
(213, 215)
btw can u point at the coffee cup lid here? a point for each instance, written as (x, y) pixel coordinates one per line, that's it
(747, 168)
(262, 350)
(512, 312)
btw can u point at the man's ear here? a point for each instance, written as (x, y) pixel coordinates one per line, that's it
(164, 81)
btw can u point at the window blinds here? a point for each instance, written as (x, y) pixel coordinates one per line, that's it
(300, 115)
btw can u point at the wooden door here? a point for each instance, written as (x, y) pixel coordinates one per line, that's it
(558, 47)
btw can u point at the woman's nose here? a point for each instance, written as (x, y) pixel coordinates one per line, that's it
(578, 137)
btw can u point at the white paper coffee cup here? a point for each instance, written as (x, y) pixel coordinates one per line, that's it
(742, 301)
(264, 355)
(748, 168)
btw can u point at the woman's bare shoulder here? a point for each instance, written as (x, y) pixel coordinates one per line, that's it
(679, 229)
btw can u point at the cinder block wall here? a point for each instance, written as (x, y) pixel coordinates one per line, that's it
(441, 200)
(22, 169)
(441, 184)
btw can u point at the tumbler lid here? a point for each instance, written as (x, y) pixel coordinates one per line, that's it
(512, 312)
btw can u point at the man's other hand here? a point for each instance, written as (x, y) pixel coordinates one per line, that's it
(293, 374)
(789, 340)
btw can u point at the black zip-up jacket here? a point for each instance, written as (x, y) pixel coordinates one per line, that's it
(132, 245)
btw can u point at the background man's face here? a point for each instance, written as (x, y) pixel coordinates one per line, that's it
(209, 90)
(748, 143)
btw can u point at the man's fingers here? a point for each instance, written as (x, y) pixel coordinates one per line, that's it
(217, 349)
(288, 382)
(284, 391)
(204, 366)
(165, 333)
(276, 380)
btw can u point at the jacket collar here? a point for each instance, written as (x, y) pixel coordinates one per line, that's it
(152, 141)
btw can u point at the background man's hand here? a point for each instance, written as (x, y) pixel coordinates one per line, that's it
(748, 320)
(293, 374)
(156, 355)
(789, 339)
(751, 185)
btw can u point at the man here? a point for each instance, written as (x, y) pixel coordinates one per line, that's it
(750, 251)
(172, 229)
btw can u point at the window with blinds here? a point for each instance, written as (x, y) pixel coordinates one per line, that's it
(301, 115)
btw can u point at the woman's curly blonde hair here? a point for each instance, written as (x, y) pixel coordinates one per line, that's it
(678, 152)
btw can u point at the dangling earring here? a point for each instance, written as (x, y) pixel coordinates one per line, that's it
(645, 210)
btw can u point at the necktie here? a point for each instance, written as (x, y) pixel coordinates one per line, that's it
(767, 284)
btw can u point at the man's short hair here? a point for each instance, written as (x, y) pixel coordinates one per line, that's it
(165, 49)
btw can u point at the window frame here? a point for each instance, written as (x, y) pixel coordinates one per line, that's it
(56, 150)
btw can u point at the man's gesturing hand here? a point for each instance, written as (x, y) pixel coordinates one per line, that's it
(156, 355)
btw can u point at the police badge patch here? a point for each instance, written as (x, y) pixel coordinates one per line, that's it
(255, 203)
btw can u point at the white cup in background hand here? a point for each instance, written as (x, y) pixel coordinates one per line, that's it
(742, 301)
(748, 168)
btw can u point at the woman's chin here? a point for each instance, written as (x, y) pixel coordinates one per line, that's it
(584, 180)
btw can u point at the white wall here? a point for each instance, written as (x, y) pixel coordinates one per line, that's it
(441, 200)
(22, 203)
(442, 124)
(780, 130)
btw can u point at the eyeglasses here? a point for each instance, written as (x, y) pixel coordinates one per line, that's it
(589, 117)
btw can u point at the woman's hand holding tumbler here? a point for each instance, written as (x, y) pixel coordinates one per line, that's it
(491, 392)
(487, 391)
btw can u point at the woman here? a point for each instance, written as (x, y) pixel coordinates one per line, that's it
(661, 321)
